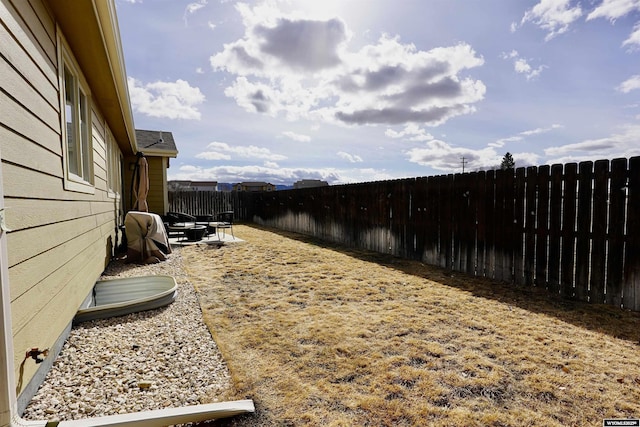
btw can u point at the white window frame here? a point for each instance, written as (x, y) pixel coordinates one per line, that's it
(78, 163)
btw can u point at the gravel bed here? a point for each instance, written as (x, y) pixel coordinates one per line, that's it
(143, 361)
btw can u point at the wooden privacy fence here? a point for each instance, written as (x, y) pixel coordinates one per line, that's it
(573, 229)
(210, 202)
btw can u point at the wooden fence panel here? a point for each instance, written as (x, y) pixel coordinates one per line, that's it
(509, 221)
(471, 223)
(458, 202)
(542, 225)
(419, 217)
(585, 189)
(617, 221)
(433, 225)
(530, 226)
(446, 227)
(489, 207)
(398, 227)
(569, 229)
(555, 229)
(501, 243)
(630, 294)
(481, 223)
(519, 223)
(572, 228)
(599, 232)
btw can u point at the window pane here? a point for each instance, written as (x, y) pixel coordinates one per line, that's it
(69, 116)
(85, 143)
(110, 164)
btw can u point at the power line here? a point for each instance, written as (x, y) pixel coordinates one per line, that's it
(463, 163)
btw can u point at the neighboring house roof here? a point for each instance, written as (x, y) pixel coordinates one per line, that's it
(254, 183)
(198, 185)
(253, 186)
(156, 143)
(93, 35)
(310, 183)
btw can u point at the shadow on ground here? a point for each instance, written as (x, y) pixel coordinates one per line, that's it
(606, 319)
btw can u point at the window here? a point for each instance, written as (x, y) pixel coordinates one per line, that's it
(78, 150)
(114, 164)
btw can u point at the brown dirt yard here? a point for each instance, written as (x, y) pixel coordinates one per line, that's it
(317, 334)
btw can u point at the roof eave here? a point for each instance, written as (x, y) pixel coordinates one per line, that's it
(159, 153)
(93, 35)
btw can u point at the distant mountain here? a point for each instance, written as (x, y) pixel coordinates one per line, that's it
(225, 186)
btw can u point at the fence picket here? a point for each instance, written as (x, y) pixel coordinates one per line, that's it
(446, 234)
(481, 223)
(569, 229)
(585, 190)
(432, 234)
(489, 206)
(630, 294)
(530, 226)
(599, 232)
(555, 229)
(617, 221)
(542, 225)
(519, 223)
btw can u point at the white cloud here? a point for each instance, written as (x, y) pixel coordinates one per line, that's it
(297, 136)
(411, 132)
(521, 135)
(172, 100)
(440, 155)
(522, 66)
(223, 151)
(614, 9)
(634, 39)
(192, 8)
(623, 144)
(285, 64)
(267, 173)
(211, 25)
(213, 155)
(352, 158)
(632, 83)
(553, 16)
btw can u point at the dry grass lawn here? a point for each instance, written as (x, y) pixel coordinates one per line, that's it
(321, 335)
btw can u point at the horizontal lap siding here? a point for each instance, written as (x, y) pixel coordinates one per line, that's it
(157, 186)
(60, 240)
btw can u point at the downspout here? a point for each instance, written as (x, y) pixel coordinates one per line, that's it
(8, 401)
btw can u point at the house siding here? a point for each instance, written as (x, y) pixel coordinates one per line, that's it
(158, 184)
(157, 171)
(60, 240)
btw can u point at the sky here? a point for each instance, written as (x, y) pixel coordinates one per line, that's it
(365, 90)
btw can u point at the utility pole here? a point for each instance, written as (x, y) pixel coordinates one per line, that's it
(463, 163)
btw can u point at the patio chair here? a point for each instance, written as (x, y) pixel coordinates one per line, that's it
(224, 222)
(177, 223)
